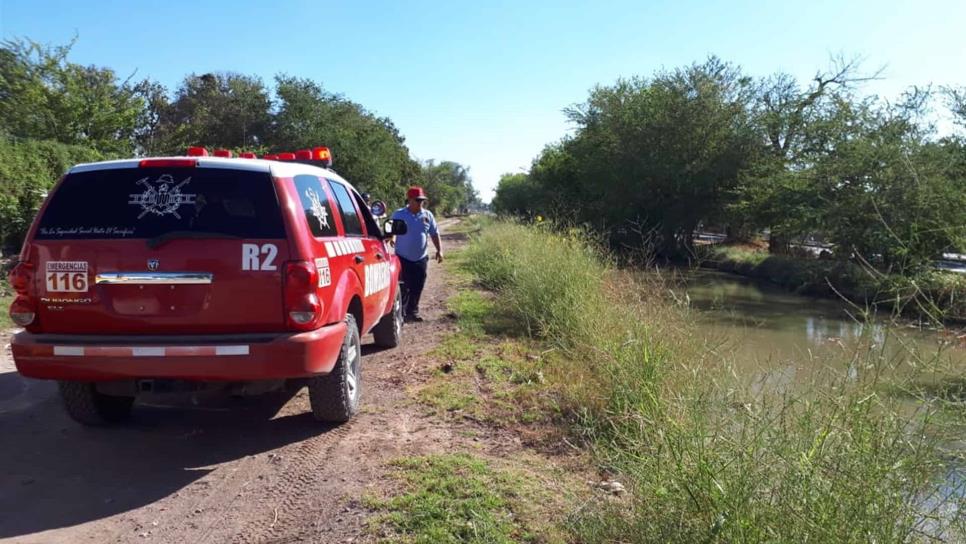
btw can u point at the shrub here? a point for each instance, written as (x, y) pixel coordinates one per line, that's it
(28, 168)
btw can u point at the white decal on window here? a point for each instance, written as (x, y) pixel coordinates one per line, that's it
(161, 196)
(318, 210)
(252, 257)
(66, 276)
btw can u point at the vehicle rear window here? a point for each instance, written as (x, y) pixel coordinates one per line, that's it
(149, 202)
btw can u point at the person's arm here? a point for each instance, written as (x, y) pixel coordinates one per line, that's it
(434, 236)
(439, 249)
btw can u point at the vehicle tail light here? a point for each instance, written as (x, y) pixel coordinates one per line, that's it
(303, 309)
(22, 311)
(224, 153)
(197, 152)
(21, 278)
(168, 163)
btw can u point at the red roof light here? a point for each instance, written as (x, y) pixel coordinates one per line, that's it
(286, 156)
(168, 163)
(224, 153)
(197, 152)
(322, 154)
(303, 155)
(246, 155)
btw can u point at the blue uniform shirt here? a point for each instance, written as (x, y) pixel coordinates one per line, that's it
(412, 246)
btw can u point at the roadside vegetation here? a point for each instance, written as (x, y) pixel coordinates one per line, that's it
(704, 455)
(464, 498)
(708, 147)
(56, 113)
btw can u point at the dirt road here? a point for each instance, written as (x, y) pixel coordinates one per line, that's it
(217, 470)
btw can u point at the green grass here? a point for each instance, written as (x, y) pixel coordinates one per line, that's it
(5, 322)
(486, 371)
(460, 498)
(706, 457)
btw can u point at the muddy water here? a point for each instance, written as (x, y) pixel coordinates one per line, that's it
(780, 341)
(786, 338)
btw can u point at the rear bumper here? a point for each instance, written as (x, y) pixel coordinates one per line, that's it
(234, 358)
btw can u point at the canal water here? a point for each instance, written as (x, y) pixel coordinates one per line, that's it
(782, 342)
(786, 338)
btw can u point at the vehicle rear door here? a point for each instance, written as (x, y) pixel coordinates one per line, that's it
(161, 247)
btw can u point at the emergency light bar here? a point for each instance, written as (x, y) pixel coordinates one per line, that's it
(312, 156)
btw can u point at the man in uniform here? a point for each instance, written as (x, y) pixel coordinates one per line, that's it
(412, 249)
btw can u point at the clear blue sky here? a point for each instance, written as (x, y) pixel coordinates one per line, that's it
(484, 82)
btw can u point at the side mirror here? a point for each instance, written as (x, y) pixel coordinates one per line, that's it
(395, 227)
(378, 208)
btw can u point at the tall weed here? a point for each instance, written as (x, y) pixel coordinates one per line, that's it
(708, 458)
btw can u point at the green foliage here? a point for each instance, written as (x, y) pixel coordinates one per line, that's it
(707, 457)
(653, 158)
(220, 110)
(54, 113)
(453, 498)
(45, 97)
(368, 150)
(517, 195)
(448, 185)
(28, 168)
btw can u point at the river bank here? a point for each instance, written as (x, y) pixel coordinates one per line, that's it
(934, 295)
(706, 450)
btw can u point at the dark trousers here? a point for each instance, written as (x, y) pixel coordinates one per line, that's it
(414, 278)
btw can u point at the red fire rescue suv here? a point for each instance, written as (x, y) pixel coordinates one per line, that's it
(203, 271)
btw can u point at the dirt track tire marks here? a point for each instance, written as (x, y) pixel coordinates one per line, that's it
(293, 490)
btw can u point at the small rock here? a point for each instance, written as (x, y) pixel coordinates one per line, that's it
(197, 510)
(613, 487)
(446, 367)
(145, 534)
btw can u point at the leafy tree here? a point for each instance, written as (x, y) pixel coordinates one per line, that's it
(45, 97)
(652, 157)
(368, 150)
(448, 185)
(220, 110)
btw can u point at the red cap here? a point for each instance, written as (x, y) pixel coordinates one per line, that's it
(416, 192)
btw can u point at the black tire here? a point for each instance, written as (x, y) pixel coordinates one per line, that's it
(388, 332)
(85, 405)
(335, 396)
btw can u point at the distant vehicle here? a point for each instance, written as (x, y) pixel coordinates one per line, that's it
(204, 272)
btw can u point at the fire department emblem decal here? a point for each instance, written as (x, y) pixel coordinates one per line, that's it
(161, 197)
(318, 210)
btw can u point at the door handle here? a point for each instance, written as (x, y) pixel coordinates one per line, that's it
(359, 259)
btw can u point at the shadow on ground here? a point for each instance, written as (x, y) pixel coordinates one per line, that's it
(56, 473)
